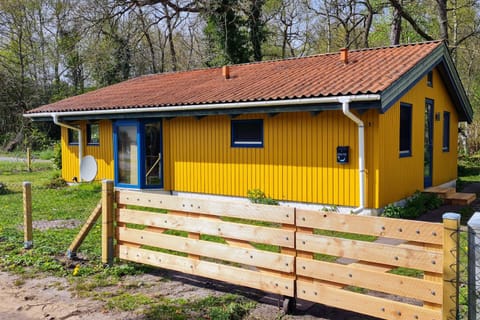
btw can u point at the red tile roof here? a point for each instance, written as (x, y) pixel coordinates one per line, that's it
(367, 71)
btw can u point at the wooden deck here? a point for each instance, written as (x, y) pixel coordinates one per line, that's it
(452, 197)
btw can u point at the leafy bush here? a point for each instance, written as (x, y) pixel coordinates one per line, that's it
(415, 206)
(392, 211)
(258, 196)
(37, 139)
(56, 182)
(46, 154)
(57, 155)
(4, 189)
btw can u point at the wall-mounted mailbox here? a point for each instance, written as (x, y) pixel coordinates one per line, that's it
(342, 154)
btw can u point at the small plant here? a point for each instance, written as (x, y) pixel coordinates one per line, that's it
(258, 196)
(4, 189)
(392, 211)
(414, 206)
(57, 182)
(330, 209)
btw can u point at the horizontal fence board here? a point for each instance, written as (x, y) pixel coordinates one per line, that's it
(259, 234)
(370, 251)
(426, 232)
(370, 305)
(252, 257)
(236, 209)
(262, 281)
(379, 281)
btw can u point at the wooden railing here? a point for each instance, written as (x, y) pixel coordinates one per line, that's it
(248, 245)
(404, 270)
(361, 268)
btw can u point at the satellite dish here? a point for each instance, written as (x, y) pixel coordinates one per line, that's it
(88, 168)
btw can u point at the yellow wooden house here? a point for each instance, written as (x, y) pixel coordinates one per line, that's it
(355, 129)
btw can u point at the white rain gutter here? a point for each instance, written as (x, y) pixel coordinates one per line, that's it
(80, 140)
(212, 106)
(361, 149)
(344, 100)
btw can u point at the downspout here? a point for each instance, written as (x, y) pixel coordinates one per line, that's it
(80, 141)
(345, 101)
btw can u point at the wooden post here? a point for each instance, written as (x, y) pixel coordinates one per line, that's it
(29, 160)
(107, 222)
(72, 250)
(474, 266)
(451, 227)
(27, 215)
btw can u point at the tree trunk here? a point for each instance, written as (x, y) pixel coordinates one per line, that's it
(256, 32)
(443, 19)
(396, 29)
(173, 53)
(367, 24)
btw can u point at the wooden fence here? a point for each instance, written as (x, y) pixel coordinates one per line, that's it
(310, 255)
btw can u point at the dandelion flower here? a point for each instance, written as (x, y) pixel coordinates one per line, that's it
(76, 270)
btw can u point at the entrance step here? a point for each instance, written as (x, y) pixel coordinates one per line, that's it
(441, 192)
(460, 199)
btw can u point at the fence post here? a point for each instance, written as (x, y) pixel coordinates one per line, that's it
(107, 222)
(29, 160)
(27, 215)
(473, 265)
(451, 227)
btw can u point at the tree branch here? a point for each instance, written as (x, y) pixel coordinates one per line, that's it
(410, 20)
(189, 7)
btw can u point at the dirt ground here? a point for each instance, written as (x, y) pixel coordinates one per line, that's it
(53, 299)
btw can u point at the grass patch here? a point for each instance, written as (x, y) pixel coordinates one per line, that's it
(50, 245)
(226, 307)
(128, 302)
(469, 168)
(345, 235)
(407, 272)
(252, 222)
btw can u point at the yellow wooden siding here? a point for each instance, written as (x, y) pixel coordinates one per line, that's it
(401, 177)
(445, 163)
(103, 153)
(297, 162)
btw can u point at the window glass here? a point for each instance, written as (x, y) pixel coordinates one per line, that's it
(430, 79)
(405, 130)
(446, 131)
(127, 154)
(72, 136)
(93, 133)
(247, 133)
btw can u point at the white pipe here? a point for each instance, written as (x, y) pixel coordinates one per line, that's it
(80, 141)
(234, 105)
(361, 150)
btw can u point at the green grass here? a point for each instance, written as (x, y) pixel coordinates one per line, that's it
(469, 169)
(225, 307)
(50, 245)
(343, 235)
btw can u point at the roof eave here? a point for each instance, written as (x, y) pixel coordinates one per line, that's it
(438, 57)
(361, 101)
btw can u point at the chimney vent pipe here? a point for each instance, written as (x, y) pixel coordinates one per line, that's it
(344, 55)
(226, 72)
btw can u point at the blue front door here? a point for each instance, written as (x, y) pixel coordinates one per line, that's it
(138, 154)
(428, 144)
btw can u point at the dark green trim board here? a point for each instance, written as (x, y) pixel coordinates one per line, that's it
(439, 57)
